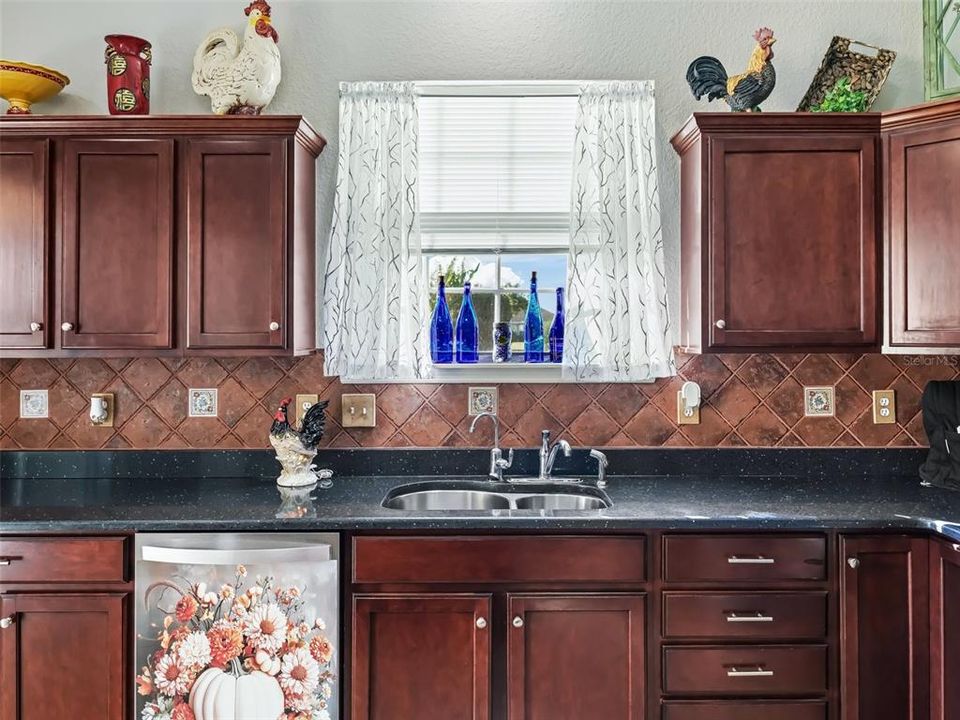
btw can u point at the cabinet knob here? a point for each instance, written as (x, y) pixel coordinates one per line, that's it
(481, 622)
(517, 621)
(36, 327)
(7, 621)
(853, 562)
(274, 326)
(721, 324)
(66, 327)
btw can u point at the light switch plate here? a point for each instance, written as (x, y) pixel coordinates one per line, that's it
(358, 410)
(111, 408)
(682, 419)
(884, 407)
(34, 404)
(818, 402)
(481, 400)
(303, 403)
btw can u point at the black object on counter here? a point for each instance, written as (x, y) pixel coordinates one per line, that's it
(941, 420)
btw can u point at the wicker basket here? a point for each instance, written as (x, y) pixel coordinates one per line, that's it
(866, 72)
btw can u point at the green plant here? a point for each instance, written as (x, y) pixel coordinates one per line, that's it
(843, 98)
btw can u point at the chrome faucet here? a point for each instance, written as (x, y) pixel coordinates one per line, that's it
(548, 454)
(601, 468)
(497, 462)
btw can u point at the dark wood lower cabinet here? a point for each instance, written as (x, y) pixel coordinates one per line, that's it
(423, 657)
(576, 656)
(745, 710)
(884, 628)
(944, 630)
(63, 655)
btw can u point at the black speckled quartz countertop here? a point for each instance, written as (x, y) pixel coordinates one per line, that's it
(44, 492)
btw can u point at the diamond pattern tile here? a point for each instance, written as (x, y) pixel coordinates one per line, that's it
(755, 400)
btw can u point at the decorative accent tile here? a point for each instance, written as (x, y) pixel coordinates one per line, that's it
(202, 402)
(34, 404)
(481, 400)
(818, 402)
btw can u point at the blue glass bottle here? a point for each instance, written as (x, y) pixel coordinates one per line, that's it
(468, 330)
(441, 329)
(556, 331)
(533, 326)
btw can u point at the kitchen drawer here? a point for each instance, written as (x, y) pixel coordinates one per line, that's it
(745, 710)
(744, 558)
(63, 559)
(526, 559)
(745, 615)
(745, 670)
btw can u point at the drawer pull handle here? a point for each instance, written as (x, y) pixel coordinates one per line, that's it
(6, 561)
(756, 617)
(758, 560)
(7, 621)
(754, 672)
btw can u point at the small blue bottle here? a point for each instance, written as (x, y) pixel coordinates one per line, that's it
(468, 330)
(533, 326)
(556, 331)
(441, 329)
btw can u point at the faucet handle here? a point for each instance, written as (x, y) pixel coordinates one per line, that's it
(505, 464)
(602, 463)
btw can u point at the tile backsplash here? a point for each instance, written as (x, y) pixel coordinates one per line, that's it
(749, 400)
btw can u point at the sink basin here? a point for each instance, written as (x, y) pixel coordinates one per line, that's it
(479, 495)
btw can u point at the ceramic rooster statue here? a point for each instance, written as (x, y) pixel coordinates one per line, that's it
(707, 76)
(239, 79)
(296, 449)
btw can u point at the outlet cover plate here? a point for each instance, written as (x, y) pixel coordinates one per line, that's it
(884, 407)
(481, 400)
(34, 404)
(303, 403)
(111, 405)
(818, 402)
(692, 419)
(358, 410)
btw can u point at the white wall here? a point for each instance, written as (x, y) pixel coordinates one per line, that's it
(325, 42)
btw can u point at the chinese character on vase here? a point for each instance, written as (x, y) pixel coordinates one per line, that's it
(128, 61)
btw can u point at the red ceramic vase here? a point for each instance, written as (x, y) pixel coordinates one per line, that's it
(128, 75)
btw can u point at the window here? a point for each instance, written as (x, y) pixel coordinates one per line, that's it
(495, 178)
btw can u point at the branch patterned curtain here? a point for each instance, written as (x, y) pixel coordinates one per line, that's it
(374, 309)
(618, 327)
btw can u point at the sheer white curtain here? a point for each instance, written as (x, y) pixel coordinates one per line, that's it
(374, 309)
(618, 326)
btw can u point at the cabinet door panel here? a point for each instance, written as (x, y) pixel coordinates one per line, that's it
(23, 242)
(945, 630)
(117, 227)
(236, 243)
(64, 656)
(793, 242)
(421, 656)
(923, 177)
(576, 656)
(884, 628)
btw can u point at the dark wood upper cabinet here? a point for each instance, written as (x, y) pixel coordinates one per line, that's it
(117, 235)
(24, 243)
(175, 235)
(884, 655)
(921, 162)
(576, 656)
(780, 243)
(944, 630)
(235, 197)
(64, 656)
(421, 656)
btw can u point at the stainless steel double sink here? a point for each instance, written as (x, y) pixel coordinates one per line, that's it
(473, 495)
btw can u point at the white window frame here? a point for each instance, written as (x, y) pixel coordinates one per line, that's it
(494, 372)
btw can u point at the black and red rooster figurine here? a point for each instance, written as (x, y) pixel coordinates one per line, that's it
(296, 449)
(744, 92)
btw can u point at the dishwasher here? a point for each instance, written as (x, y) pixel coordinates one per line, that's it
(237, 626)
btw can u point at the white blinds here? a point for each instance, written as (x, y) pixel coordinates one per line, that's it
(495, 171)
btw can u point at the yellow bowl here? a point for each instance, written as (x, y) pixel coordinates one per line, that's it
(22, 84)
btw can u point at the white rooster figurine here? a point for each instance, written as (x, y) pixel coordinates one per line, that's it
(240, 80)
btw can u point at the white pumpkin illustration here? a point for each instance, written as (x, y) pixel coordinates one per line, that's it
(217, 695)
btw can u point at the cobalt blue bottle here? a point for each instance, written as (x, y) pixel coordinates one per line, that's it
(533, 326)
(556, 331)
(441, 329)
(468, 330)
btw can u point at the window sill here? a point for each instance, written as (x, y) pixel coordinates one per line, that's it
(501, 372)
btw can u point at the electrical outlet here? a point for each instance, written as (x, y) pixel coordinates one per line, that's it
(884, 407)
(303, 403)
(358, 410)
(109, 406)
(682, 418)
